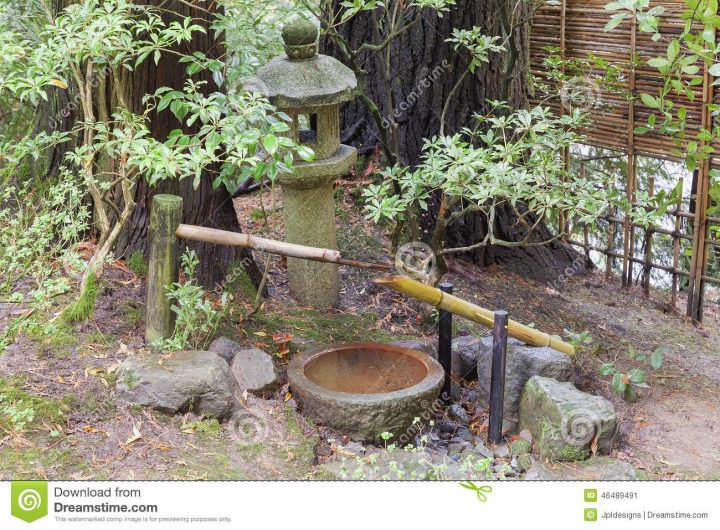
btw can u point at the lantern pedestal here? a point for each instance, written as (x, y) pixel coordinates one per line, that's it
(309, 213)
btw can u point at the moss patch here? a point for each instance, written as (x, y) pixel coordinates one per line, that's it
(22, 411)
(83, 307)
(137, 263)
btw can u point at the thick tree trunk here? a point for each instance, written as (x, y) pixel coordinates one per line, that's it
(204, 206)
(425, 69)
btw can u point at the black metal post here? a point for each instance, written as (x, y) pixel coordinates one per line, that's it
(445, 344)
(497, 377)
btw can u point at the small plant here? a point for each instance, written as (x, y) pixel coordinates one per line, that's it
(626, 384)
(580, 341)
(197, 316)
(210, 427)
(17, 413)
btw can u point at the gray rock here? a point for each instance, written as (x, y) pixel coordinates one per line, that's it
(596, 468)
(501, 451)
(522, 363)
(407, 465)
(482, 450)
(225, 348)
(565, 421)
(465, 435)
(526, 435)
(354, 448)
(459, 413)
(428, 346)
(189, 380)
(464, 356)
(254, 370)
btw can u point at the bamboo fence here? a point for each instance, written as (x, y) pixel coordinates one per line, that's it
(575, 27)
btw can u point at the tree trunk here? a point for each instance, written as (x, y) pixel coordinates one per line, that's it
(204, 206)
(424, 71)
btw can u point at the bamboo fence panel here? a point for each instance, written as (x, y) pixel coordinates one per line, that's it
(575, 28)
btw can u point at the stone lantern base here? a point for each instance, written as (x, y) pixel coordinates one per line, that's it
(309, 212)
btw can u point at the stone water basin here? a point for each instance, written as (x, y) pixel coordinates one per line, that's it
(364, 389)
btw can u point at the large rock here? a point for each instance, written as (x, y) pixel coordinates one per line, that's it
(596, 468)
(522, 363)
(564, 421)
(464, 356)
(189, 380)
(253, 370)
(225, 348)
(428, 346)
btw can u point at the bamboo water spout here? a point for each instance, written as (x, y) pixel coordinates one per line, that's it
(473, 312)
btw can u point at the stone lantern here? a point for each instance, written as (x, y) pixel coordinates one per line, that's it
(309, 88)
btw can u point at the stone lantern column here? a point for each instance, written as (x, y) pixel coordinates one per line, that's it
(309, 87)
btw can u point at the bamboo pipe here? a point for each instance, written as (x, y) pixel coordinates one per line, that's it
(473, 312)
(223, 237)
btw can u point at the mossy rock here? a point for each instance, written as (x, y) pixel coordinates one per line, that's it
(564, 421)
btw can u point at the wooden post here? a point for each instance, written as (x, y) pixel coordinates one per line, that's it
(630, 186)
(676, 244)
(165, 216)
(648, 244)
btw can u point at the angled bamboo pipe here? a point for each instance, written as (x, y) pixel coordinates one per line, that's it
(473, 312)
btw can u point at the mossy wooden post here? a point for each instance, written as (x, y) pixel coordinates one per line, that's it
(163, 249)
(310, 87)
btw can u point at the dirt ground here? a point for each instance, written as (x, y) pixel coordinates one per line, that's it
(81, 431)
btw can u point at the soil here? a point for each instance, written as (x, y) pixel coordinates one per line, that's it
(671, 432)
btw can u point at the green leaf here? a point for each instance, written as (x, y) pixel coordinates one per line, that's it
(650, 101)
(271, 143)
(637, 376)
(607, 369)
(304, 152)
(618, 383)
(630, 395)
(657, 357)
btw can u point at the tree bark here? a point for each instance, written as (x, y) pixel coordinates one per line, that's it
(204, 206)
(425, 70)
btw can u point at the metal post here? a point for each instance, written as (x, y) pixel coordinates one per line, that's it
(445, 344)
(497, 377)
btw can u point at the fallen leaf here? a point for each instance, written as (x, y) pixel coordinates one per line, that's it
(135, 437)
(288, 396)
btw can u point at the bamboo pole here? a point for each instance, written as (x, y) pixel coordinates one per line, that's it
(462, 308)
(223, 237)
(676, 245)
(648, 244)
(165, 215)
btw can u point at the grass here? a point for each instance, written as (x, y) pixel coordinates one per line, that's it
(134, 313)
(83, 307)
(208, 427)
(320, 327)
(137, 263)
(21, 411)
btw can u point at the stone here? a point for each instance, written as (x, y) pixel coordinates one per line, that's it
(254, 370)
(225, 348)
(483, 451)
(459, 413)
(464, 356)
(465, 434)
(522, 363)
(501, 451)
(521, 447)
(406, 465)
(565, 421)
(595, 468)
(525, 434)
(353, 448)
(425, 345)
(188, 381)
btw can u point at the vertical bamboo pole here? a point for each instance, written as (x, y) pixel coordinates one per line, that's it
(165, 217)
(648, 244)
(630, 183)
(676, 245)
(564, 152)
(698, 263)
(609, 259)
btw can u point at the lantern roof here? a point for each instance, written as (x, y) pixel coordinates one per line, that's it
(303, 78)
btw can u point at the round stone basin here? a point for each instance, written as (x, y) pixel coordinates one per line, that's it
(365, 389)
